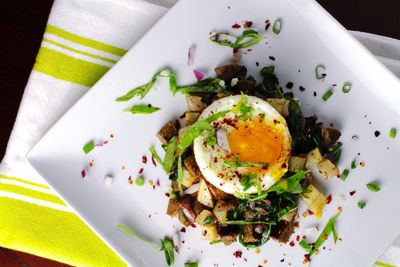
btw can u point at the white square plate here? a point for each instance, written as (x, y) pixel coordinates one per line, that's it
(309, 37)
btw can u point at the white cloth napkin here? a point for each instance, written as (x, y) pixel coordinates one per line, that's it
(118, 24)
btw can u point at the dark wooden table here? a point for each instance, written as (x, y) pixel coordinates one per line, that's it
(22, 25)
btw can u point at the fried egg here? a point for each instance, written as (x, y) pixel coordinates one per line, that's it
(259, 137)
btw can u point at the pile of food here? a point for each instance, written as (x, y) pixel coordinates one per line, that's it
(239, 159)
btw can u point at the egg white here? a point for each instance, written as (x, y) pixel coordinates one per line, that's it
(205, 154)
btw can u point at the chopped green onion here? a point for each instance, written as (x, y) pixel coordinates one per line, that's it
(208, 220)
(139, 181)
(319, 72)
(307, 247)
(180, 174)
(193, 264)
(133, 234)
(238, 164)
(327, 95)
(142, 109)
(250, 180)
(170, 154)
(168, 247)
(344, 175)
(393, 132)
(373, 187)
(353, 164)
(346, 87)
(361, 204)
(277, 27)
(88, 147)
(216, 242)
(156, 156)
(248, 38)
(211, 140)
(241, 222)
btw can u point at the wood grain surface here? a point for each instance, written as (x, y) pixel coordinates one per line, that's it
(22, 24)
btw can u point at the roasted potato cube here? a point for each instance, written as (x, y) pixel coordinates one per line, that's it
(198, 207)
(329, 136)
(217, 193)
(280, 104)
(183, 219)
(228, 72)
(181, 133)
(167, 132)
(221, 210)
(297, 164)
(314, 200)
(204, 214)
(204, 195)
(209, 232)
(191, 165)
(245, 86)
(187, 179)
(313, 157)
(283, 231)
(249, 236)
(191, 117)
(327, 168)
(195, 104)
(174, 205)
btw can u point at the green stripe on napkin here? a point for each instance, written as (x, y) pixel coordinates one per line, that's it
(30, 193)
(85, 41)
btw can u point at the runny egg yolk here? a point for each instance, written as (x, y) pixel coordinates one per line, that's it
(255, 141)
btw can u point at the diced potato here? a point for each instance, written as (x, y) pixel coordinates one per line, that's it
(221, 210)
(202, 216)
(187, 179)
(198, 207)
(314, 200)
(167, 132)
(328, 168)
(289, 217)
(191, 117)
(330, 136)
(181, 133)
(204, 195)
(183, 219)
(191, 165)
(217, 193)
(313, 157)
(194, 103)
(209, 232)
(174, 205)
(280, 104)
(249, 235)
(228, 72)
(297, 164)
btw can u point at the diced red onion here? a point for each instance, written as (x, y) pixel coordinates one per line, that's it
(108, 180)
(188, 214)
(193, 189)
(222, 139)
(191, 53)
(158, 182)
(83, 173)
(199, 75)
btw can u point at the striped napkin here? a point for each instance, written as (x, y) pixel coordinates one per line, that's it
(82, 41)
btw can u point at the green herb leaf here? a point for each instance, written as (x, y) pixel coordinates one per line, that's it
(135, 235)
(327, 95)
(243, 222)
(209, 85)
(156, 156)
(392, 133)
(353, 164)
(362, 204)
(373, 187)
(237, 164)
(180, 174)
(89, 146)
(247, 39)
(307, 247)
(168, 247)
(290, 184)
(319, 72)
(277, 27)
(142, 109)
(346, 87)
(216, 242)
(208, 220)
(195, 264)
(344, 175)
(170, 154)
(250, 180)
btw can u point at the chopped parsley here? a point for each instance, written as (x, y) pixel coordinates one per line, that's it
(361, 204)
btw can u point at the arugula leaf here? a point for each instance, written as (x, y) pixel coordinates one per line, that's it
(250, 180)
(89, 146)
(373, 187)
(209, 85)
(237, 164)
(168, 247)
(264, 238)
(242, 222)
(142, 109)
(170, 154)
(247, 39)
(196, 129)
(135, 235)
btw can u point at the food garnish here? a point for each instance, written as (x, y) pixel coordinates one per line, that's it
(320, 72)
(393, 132)
(327, 95)
(277, 27)
(373, 187)
(89, 146)
(361, 204)
(142, 109)
(346, 87)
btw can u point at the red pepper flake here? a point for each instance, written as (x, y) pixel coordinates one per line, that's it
(130, 181)
(167, 194)
(310, 212)
(105, 142)
(237, 254)
(297, 238)
(301, 88)
(111, 135)
(153, 161)
(352, 192)
(307, 258)
(141, 170)
(90, 164)
(235, 50)
(272, 58)
(340, 209)
(144, 159)
(158, 182)
(154, 187)
(291, 243)
(183, 230)
(297, 224)
(362, 163)
(329, 199)
(193, 225)
(247, 24)
(235, 26)
(83, 173)
(340, 239)
(215, 159)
